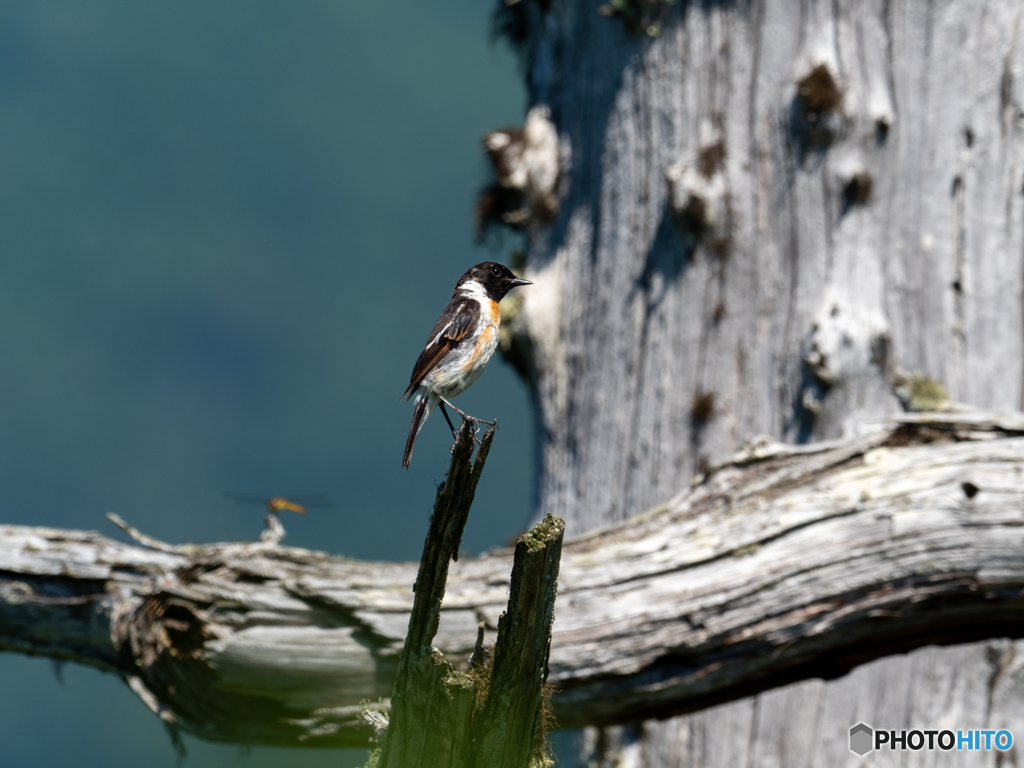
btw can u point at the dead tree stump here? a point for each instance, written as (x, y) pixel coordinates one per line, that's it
(495, 714)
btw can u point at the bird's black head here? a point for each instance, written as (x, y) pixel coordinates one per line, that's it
(496, 279)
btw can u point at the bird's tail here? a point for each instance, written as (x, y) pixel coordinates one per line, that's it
(419, 415)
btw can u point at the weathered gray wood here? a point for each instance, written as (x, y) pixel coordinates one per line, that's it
(806, 725)
(784, 563)
(843, 238)
(795, 322)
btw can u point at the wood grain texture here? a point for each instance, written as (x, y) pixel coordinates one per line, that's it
(782, 564)
(797, 321)
(806, 725)
(790, 313)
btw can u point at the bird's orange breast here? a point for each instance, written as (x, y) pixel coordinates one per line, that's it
(490, 310)
(486, 336)
(482, 348)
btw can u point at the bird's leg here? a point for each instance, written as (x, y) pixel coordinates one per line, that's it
(455, 435)
(476, 422)
(466, 416)
(445, 414)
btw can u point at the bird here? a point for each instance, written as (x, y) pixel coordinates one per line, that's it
(460, 346)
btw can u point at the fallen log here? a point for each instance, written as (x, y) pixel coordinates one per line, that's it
(784, 563)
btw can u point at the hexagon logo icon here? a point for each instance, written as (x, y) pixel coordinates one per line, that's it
(861, 738)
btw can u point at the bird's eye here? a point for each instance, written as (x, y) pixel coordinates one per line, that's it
(496, 271)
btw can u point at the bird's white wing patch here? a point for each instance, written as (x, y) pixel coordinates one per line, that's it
(437, 338)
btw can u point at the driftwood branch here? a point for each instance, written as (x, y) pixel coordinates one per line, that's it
(783, 564)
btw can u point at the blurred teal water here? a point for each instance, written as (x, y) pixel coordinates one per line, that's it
(225, 231)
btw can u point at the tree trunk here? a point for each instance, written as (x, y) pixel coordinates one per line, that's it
(768, 211)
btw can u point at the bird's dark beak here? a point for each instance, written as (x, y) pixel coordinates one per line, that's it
(518, 281)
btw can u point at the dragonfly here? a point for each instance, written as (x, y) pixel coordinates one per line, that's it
(296, 503)
(274, 533)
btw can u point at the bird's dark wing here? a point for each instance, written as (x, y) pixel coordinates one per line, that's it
(455, 323)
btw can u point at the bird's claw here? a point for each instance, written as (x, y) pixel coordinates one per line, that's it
(476, 429)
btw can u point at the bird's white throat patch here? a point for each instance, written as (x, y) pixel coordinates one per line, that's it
(472, 289)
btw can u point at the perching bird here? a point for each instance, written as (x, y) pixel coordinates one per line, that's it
(460, 345)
